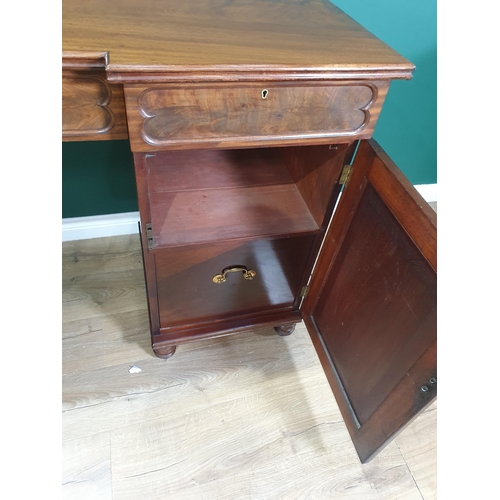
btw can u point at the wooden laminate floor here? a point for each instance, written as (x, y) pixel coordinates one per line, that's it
(244, 417)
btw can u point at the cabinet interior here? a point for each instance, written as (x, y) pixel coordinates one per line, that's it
(212, 195)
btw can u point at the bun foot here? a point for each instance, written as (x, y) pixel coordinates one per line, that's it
(284, 330)
(164, 352)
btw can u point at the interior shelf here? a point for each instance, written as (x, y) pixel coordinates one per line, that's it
(203, 196)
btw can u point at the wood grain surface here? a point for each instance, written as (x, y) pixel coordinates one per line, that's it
(315, 171)
(206, 39)
(171, 171)
(195, 116)
(244, 417)
(202, 197)
(92, 108)
(188, 295)
(188, 217)
(397, 292)
(371, 308)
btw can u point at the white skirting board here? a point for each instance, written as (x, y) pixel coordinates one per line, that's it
(428, 192)
(100, 226)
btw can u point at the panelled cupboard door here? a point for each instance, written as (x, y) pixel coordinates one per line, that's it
(371, 306)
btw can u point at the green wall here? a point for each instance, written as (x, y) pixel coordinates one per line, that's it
(98, 177)
(407, 127)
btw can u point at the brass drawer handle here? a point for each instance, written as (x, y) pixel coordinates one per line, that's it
(248, 274)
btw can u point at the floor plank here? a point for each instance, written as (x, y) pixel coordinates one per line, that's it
(420, 454)
(87, 468)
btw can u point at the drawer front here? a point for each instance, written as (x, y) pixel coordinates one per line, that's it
(185, 276)
(245, 115)
(92, 109)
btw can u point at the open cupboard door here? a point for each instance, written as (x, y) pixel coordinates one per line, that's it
(371, 303)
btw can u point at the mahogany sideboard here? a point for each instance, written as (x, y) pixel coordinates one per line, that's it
(263, 199)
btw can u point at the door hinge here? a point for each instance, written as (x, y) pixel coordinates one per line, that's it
(304, 291)
(346, 175)
(149, 235)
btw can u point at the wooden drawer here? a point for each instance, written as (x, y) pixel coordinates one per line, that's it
(218, 116)
(92, 109)
(188, 295)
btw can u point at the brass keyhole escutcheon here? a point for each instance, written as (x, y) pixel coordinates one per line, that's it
(264, 93)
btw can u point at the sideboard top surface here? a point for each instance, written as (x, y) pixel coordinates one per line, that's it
(278, 37)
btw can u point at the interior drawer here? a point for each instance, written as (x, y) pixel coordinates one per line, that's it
(187, 293)
(173, 117)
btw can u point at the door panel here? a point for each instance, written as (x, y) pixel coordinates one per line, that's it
(371, 308)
